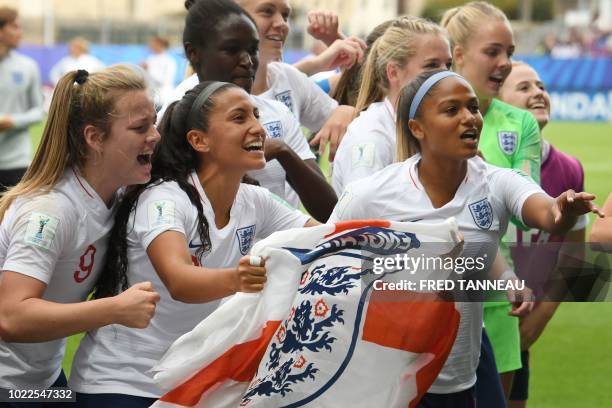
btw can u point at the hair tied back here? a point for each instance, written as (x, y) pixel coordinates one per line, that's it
(81, 76)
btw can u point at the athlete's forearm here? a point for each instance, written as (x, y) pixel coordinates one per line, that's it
(317, 195)
(37, 320)
(193, 284)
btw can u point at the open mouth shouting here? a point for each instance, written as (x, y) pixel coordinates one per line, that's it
(471, 136)
(144, 158)
(497, 80)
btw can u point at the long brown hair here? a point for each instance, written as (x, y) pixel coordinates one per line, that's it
(73, 107)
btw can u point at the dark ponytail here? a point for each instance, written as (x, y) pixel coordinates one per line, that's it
(173, 160)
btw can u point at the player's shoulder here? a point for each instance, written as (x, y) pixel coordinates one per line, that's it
(387, 178)
(269, 106)
(512, 113)
(26, 64)
(284, 69)
(54, 205)
(169, 190)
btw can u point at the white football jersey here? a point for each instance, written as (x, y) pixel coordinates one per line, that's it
(482, 206)
(368, 145)
(116, 359)
(60, 239)
(279, 123)
(308, 102)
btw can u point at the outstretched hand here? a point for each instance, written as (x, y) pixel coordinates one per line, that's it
(572, 204)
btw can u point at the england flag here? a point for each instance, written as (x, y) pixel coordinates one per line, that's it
(320, 334)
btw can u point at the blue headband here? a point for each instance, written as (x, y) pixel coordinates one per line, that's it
(425, 87)
(204, 95)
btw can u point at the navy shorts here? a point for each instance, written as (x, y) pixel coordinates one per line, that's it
(112, 400)
(489, 391)
(520, 386)
(461, 399)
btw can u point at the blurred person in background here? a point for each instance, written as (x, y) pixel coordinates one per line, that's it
(161, 68)
(21, 102)
(78, 58)
(482, 44)
(560, 172)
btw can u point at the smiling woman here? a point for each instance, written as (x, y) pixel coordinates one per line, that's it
(221, 43)
(99, 135)
(197, 222)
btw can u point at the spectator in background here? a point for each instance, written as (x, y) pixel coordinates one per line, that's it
(161, 68)
(548, 43)
(20, 104)
(570, 45)
(78, 58)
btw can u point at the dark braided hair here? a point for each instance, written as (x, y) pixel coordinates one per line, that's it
(173, 160)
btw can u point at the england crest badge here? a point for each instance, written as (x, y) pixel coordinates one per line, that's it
(508, 141)
(274, 129)
(18, 78)
(285, 97)
(245, 238)
(482, 213)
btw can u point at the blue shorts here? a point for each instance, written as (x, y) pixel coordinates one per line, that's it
(520, 386)
(461, 399)
(112, 400)
(489, 391)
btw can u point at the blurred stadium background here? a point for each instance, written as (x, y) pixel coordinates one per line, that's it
(569, 42)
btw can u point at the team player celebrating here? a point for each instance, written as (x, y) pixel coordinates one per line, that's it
(221, 43)
(560, 172)
(99, 136)
(408, 46)
(188, 231)
(440, 177)
(482, 44)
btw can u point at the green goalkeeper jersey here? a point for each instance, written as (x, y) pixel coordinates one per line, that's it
(510, 138)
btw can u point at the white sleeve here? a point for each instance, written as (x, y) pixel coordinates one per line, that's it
(351, 205)
(161, 208)
(513, 187)
(40, 231)
(315, 105)
(360, 155)
(293, 136)
(274, 213)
